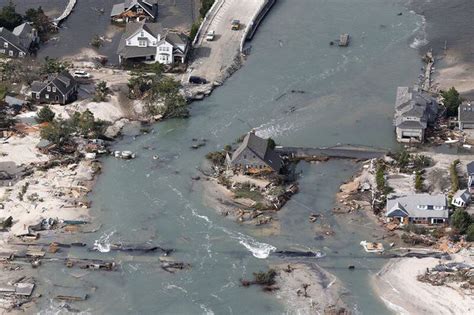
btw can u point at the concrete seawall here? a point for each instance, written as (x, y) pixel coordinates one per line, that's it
(252, 27)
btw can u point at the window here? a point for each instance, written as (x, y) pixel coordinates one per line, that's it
(142, 33)
(54, 89)
(56, 98)
(46, 96)
(5, 45)
(10, 53)
(142, 43)
(2, 51)
(154, 43)
(129, 42)
(438, 208)
(48, 88)
(422, 207)
(37, 96)
(22, 54)
(139, 10)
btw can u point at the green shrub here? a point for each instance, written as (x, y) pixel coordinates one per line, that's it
(470, 233)
(461, 220)
(45, 114)
(453, 172)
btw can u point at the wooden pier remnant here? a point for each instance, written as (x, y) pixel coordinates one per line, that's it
(344, 40)
(66, 13)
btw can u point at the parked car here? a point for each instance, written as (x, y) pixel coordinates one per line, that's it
(235, 25)
(197, 80)
(210, 36)
(81, 74)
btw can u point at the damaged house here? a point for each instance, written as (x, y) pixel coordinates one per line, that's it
(415, 110)
(255, 155)
(417, 209)
(135, 11)
(21, 42)
(149, 42)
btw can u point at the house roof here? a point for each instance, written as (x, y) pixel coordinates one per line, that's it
(63, 81)
(25, 33)
(463, 194)
(410, 124)
(409, 205)
(117, 9)
(414, 103)
(176, 38)
(260, 147)
(470, 168)
(149, 6)
(12, 39)
(466, 112)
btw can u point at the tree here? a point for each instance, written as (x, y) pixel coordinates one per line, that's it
(41, 22)
(58, 132)
(101, 91)
(205, 7)
(85, 124)
(461, 220)
(9, 18)
(418, 182)
(45, 114)
(271, 143)
(53, 65)
(470, 233)
(194, 30)
(452, 100)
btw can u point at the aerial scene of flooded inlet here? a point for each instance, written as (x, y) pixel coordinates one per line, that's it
(236, 157)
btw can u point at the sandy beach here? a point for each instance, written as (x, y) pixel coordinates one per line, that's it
(400, 290)
(323, 293)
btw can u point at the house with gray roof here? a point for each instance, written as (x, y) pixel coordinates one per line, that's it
(417, 209)
(415, 110)
(150, 42)
(255, 153)
(461, 198)
(20, 42)
(135, 11)
(60, 88)
(466, 116)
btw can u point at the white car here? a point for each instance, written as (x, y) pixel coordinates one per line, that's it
(81, 74)
(210, 36)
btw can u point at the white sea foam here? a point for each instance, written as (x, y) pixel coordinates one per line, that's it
(258, 250)
(103, 243)
(420, 39)
(206, 310)
(173, 286)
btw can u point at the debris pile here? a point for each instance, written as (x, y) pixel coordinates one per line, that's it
(456, 274)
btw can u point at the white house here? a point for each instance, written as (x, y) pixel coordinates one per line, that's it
(461, 198)
(149, 42)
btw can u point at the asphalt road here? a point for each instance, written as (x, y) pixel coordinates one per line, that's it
(212, 58)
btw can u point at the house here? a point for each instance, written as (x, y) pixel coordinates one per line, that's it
(461, 198)
(149, 42)
(58, 88)
(470, 177)
(466, 116)
(19, 43)
(135, 11)
(417, 209)
(255, 154)
(414, 111)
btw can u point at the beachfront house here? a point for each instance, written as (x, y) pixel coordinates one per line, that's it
(150, 42)
(22, 41)
(417, 209)
(470, 177)
(461, 198)
(466, 116)
(255, 155)
(58, 88)
(135, 11)
(414, 111)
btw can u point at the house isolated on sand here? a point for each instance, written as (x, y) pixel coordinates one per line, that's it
(255, 155)
(415, 110)
(135, 11)
(60, 88)
(417, 209)
(150, 42)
